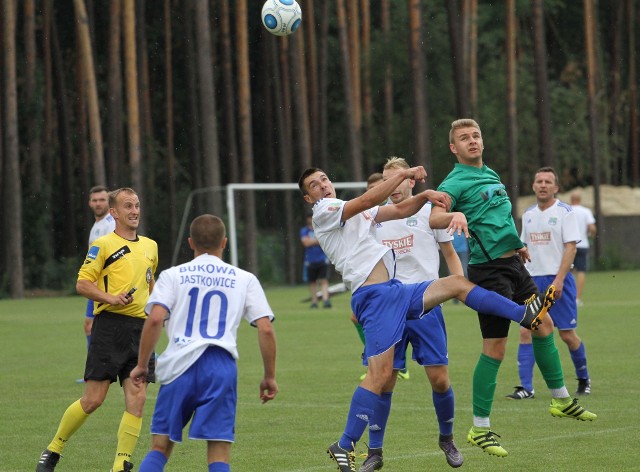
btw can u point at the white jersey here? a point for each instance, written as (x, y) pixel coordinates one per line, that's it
(351, 246)
(415, 245)
(206, 299)
(584, 218)
(105, 226)
(545, 233)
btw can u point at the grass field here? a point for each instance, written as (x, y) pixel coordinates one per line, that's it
(318, 368)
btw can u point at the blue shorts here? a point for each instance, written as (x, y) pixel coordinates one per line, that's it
(89, 311)
(208, 392)
(428, 339)
(382, 310)
(564, 311)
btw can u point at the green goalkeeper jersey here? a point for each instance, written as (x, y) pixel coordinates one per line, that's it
(479, 194)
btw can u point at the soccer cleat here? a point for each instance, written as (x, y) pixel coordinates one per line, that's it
(486, 440)
(346, 460)
(127, 467)
(313, 305)
(584, 387)
(537, 307)
(404, 374)
(327, 304)
(454, 457)
(570, 410)
(521, 393)
(373, 461)
(48, 460)
(363, 376)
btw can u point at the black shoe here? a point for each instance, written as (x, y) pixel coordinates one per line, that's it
(521, 393)
(454, 457)
(48, 461)
(584, 387)
(537, 307)
(128, 467)
(373, 461)
(327, 304)
(346, 460)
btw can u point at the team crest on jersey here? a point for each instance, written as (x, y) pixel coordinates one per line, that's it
(93, 253)
(149, 275)
(333, 207)
(553, 221)
(412, 221)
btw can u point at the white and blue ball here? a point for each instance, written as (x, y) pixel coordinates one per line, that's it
(281, 17)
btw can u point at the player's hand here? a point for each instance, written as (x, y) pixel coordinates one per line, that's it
(139, 375)
(440, 199)
(523, 252)
(268, 390)
(416, 173)
(458, 225)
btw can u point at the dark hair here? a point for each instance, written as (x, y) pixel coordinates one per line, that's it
(551, 170)
(207, 232)
(305, 174)
(98, 189)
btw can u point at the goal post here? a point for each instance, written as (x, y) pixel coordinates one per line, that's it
(231, 191)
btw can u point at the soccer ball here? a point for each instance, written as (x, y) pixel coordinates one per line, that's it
(281, 17)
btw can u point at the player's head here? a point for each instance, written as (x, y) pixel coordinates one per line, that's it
(374, 179)
(576, 198)
(124, 206)
(465, 141)
(315, 185)
(207, 234)
(545, 184)
(404, 189)
(99, 200)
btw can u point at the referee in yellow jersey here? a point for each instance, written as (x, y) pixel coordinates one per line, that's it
(118, 275)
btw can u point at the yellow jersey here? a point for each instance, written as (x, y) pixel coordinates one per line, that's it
(117, 265)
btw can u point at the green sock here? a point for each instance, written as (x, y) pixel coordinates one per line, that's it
(548, 360)
(360, 331)
(484, 385)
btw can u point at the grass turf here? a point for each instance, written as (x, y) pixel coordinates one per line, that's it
(318, 369)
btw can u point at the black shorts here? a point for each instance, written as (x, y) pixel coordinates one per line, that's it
(509, 278)
(317, 271)
(581, 261)
(113, 352)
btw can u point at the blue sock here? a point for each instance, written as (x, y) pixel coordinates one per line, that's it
(219, 467)
(445, 405)
(526, 361)
(154, 461)
(378, 423)
(579, 358)
(88, 342)
(363, 404)
(485, 301)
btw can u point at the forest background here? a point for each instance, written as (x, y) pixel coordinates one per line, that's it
(175, 96)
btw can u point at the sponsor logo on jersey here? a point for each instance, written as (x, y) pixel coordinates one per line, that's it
(492, 191)
(540, 238)
(119, 254)
(93, 253)
(400, 246)
(333, 207)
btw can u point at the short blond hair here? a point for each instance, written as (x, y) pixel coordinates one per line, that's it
(395, 162)
(462, 123)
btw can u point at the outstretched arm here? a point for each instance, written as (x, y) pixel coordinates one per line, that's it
(381, 192)
(267, 342)
(452, 222)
